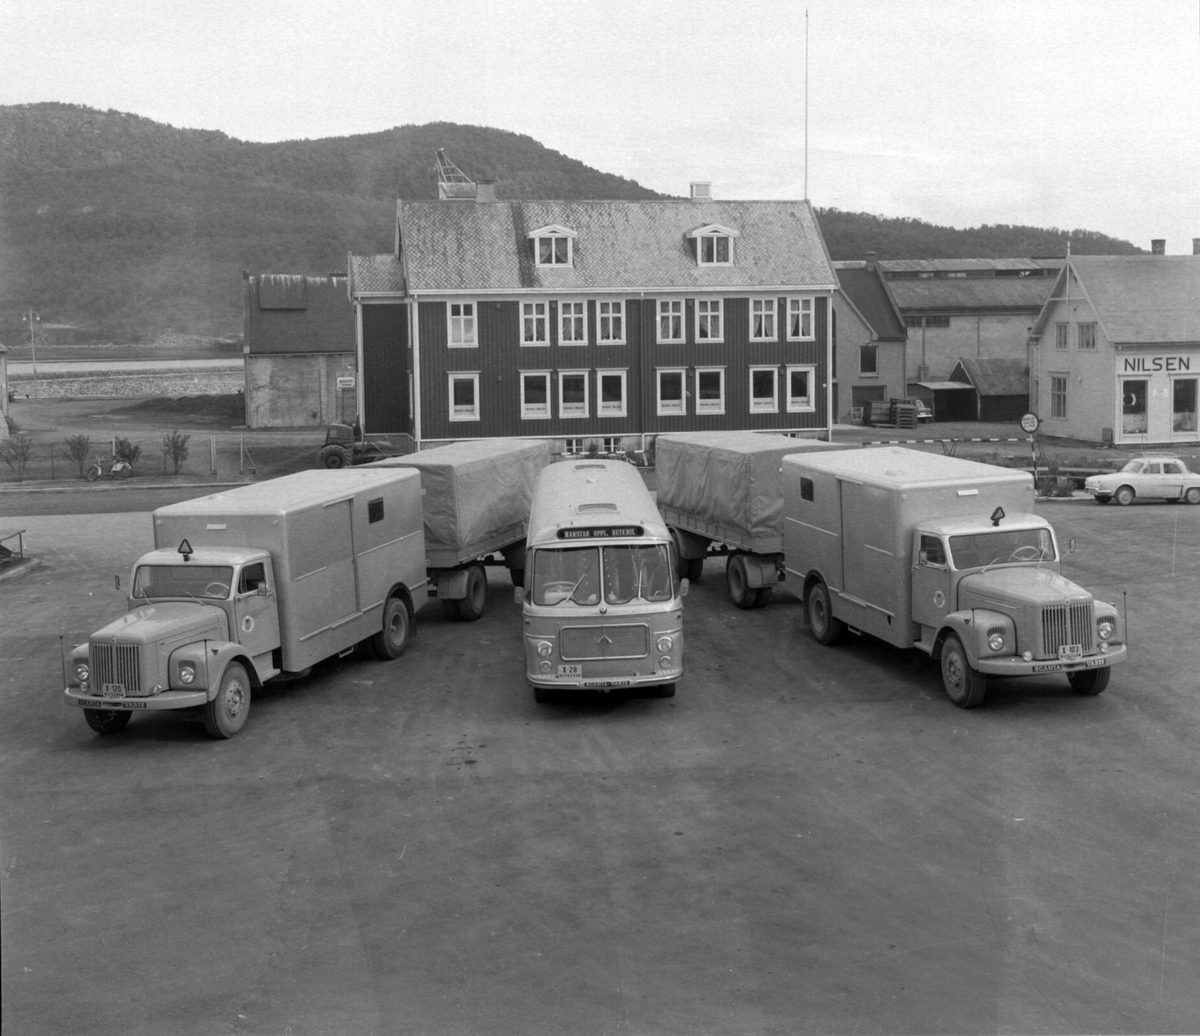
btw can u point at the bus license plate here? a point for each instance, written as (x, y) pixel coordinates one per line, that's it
(574, 672)
(1070, 653)
(112, 690)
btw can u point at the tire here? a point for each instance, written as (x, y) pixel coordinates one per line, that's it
(333, 457)
(93, 473)
(471, 607)
(543, 695)
(763, 596)
(121, 470)
(450, 610)
(693, 569)
(1089, 681)
(825, 628)
(227, 713)
(1192, 496)
(1102, 499)
(740, 592)
(392, 639)
(665, 690)
(965, 686)
(1124, 496)
(107, 721)
(517, 575)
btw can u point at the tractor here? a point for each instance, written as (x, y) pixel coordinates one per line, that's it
(345, 445)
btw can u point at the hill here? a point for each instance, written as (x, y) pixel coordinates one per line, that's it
(121, 227)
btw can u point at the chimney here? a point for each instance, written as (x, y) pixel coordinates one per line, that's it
(701, 191)
(1196, 246)
(485, 190)
(1158, 246)
(870, 260)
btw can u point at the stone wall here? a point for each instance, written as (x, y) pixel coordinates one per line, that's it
(184, 381)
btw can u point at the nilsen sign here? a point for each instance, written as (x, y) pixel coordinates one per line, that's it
(1151, 364)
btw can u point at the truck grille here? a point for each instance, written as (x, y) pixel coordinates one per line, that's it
(579, 643)
(1067, 624)
(117, 663)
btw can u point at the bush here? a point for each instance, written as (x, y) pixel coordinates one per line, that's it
(175, 448)
(127, 451)
(79, 449)
(15, 452)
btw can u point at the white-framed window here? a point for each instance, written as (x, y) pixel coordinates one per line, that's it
(610, 318)
(572, 446)
(801, 389)
(1061, 330)
(1085, 336)
(800, 320)
(534, 323)
(573, 394)
(764, 390)
(611, 393)
(672, 397)
(1058, 395)
(868, 360)
(553, 245)
(461, 331)
(762, 320)
(714, 250)
(710, 390)
(670, 320)
(535, 395)
(464, 395)
(709, 325)
(572, 323)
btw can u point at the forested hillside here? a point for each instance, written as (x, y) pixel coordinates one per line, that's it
(124, 227)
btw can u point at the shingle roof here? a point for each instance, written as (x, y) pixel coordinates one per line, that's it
(375, 273)
(867, 291)
(994, 376)
(971, 293)
(947, 265)
(458, 246)
(1143, 298)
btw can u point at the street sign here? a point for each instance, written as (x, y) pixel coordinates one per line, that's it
(346, 382)
(1029, 423)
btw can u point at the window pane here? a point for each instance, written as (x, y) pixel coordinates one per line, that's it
(560, 249)
(670, 387)
(535, 389)
(709, 383)
(722, 245)
(763, 384)
(545, 250)
(464, 392)
(574, 389)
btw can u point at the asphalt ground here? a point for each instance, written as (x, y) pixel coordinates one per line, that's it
(803, 840)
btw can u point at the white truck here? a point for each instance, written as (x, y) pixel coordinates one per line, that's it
(721, 493)
(476, 496)
(942, 555)
(257, 583)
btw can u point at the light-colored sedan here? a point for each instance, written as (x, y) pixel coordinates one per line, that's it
(1151, 476)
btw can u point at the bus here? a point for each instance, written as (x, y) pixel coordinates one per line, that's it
(602, 597)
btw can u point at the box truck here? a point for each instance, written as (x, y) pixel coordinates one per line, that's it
(942, 555)
(721, 493)
(476, 496)
(257, 583)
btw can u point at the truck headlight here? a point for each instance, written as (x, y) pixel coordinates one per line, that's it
(665, 643)
(1106, 629)
(81, 672)
(545, 648)
(996, 642)
(544, 667)
(187, 672)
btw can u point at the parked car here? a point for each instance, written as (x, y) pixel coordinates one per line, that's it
(923, 412)
(1150, 476)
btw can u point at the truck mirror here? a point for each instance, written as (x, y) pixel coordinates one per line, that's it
(683, 587)
(1071, 545)
(518, 595)
(262, 590)
(117, 582)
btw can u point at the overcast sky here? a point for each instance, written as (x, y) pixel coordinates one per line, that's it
(1063, 113)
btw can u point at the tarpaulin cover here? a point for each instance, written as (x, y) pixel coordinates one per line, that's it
(475, 491)
(727, 484)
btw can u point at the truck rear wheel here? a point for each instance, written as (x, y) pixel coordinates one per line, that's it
(110, 721)
(1089, 681)
(333, 457)
(965, 685)
(227, 713)
(470, 607)
(741, 592)
(762, 596)
(825, 628)
(392, 639)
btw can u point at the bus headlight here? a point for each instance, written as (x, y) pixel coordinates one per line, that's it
(996, 642)
(544, 667)
(664, 662)
(1106, 629)
(665, 643)
(544, 648)
(187, 672)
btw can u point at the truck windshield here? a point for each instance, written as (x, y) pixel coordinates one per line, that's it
(209, 581)
(1001, 545)
(623, 574)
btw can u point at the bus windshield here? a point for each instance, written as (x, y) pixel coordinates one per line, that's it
(622, 574)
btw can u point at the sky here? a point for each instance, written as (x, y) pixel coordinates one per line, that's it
(1051, 113)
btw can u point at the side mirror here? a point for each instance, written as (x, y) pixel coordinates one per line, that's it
(518, 595)
(262, 590)
(117, 582)
(683, 587)
(1071, 545)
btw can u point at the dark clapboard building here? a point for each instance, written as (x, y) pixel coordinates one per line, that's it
(594, 321)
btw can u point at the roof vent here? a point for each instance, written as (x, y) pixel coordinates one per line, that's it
(701, 191)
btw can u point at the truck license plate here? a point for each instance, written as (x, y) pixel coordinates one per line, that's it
(1070, 653)
(112, 690)
(571, 671)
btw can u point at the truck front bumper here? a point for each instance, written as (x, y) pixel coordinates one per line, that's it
(157, 703)
(1017, 666)
(601, 683)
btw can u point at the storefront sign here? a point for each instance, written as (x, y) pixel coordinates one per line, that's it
(1151, 364)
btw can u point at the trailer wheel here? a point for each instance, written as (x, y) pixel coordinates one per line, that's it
(333, 457)
(763, 596)
(736, 579)
(517, 575)
(107, 721)
(227, 713)
(470, 607)
(1089, 681)
(825, 628)
(693, 569)
(965, 686)
(392, 639)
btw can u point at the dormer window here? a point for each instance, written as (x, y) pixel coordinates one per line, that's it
(553, 245)
(714, 244)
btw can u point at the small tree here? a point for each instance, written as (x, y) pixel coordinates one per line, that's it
(15, 452)
(127, 451)
(175, 448)
(79, 449)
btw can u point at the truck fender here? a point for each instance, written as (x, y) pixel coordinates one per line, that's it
(402, 592)
(452, 584)
(690, 544)
(972, 628)
(218, 655)
(762, 569)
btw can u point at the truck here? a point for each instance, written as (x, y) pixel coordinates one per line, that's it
(256, 584)
(476, 495)
(943, 555)
(721, 493)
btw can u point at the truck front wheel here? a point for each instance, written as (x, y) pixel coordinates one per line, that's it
(392, 639)
(965, 685)
(736, 578)
(112, 721)
(470, 607)
(227, 713)
(1089, 681)
(825, 628)
(333, 457)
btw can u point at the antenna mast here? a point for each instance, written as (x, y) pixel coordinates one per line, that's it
(806, 104)
(453, 183)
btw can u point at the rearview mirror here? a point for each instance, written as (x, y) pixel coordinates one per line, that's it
(683, 587)
(518, 595)
(117, 582)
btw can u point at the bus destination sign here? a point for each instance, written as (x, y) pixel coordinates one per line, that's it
(601, 532)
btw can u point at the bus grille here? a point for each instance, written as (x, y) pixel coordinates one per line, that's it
(579, 643)
(1067, 624)
(117, 663)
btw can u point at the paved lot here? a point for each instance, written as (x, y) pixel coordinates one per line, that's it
(804, 840)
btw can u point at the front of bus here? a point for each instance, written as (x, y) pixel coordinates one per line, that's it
(603, 610)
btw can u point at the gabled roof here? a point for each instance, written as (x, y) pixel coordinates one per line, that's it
(935, 266)
(943, 294)
(1138, 299)
(867, 292)
(638, 245)
(993, 376)
(375, 275)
